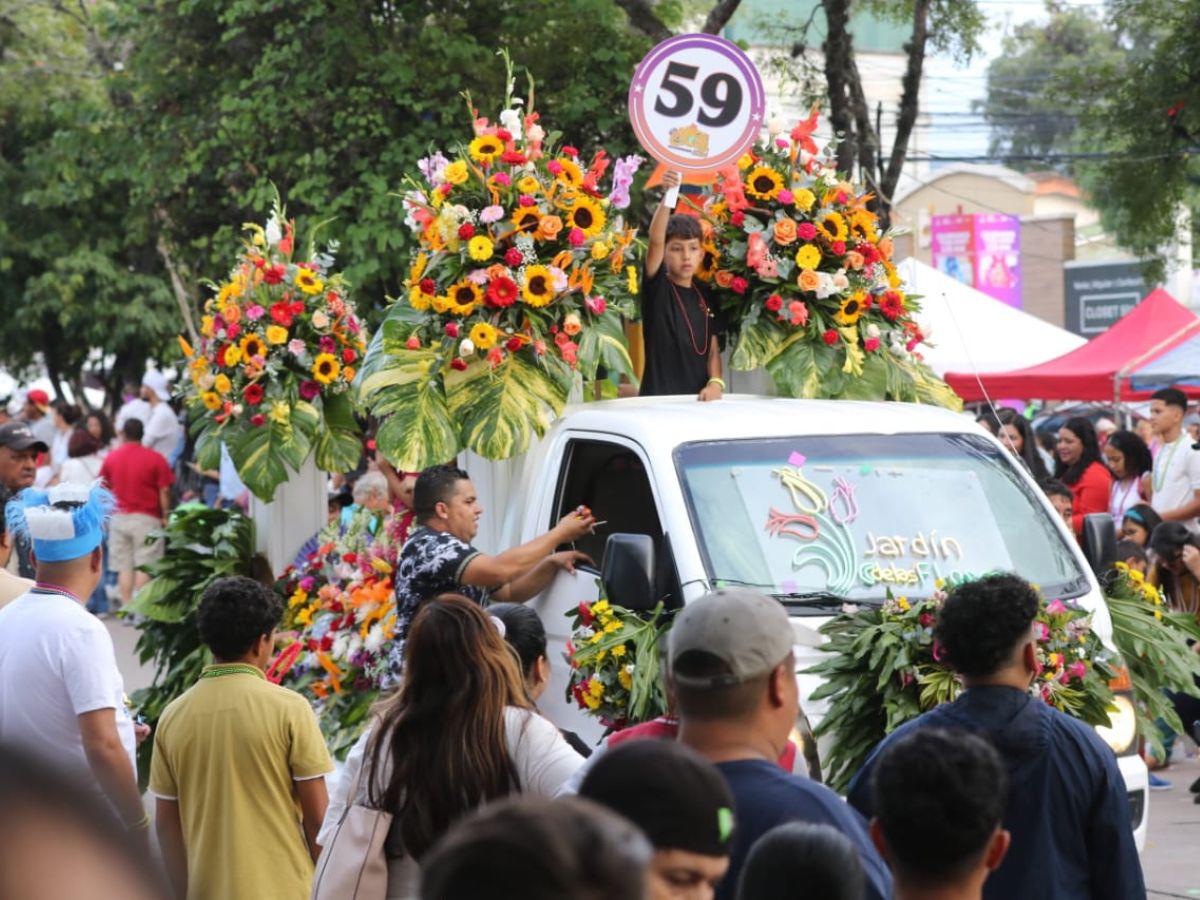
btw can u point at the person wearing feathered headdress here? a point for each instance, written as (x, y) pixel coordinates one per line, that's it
(61, 694)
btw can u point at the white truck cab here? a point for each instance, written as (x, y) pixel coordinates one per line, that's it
(816, 502)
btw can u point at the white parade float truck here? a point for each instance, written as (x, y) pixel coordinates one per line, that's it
(816, 502)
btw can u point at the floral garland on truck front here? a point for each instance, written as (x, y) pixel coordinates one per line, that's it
(799, 264)
(515, 294)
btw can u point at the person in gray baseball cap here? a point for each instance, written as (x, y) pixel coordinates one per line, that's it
(732, 673)
(19, 449)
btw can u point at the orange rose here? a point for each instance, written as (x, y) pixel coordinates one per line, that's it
(548, 228)
(885, 248)
(724, 278)
(785, 232)
(808, 280)
(854, 259)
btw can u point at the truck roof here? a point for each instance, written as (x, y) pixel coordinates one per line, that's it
(666, 422)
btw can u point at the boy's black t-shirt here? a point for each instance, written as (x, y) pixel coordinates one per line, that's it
(672, 364)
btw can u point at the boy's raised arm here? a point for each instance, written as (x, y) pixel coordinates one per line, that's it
(658, 227)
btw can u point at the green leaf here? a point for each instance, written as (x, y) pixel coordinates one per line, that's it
(338, 444)
(417, 430)
(795, 368)
(602, 343)
(758, 343)
(263, 454)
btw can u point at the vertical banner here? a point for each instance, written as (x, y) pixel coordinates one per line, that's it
(998, 257)
(954, 247)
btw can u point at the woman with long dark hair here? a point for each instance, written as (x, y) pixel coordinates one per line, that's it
(460, 732)
(1129, 460)
(1018, 438)
(1079, 467)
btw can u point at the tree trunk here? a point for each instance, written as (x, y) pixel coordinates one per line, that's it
(182, 297)
(909, 107)
(643, 17)
(839, 63)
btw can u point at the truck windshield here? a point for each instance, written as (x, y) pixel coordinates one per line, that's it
(857, 516)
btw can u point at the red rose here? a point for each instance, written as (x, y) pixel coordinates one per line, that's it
(739, 285)
(838, 247)
(513, 344)
(273, 274)
(253, 393)
(458, 363)
(351, 558)
(774, 303)
(258, 419)
(830, 337)
(259, 262)
(871, 345)
(348, 355)
(413, 343)
(327, 643)
(466, 231)
(738, 218)
(428, 286)
(513, 256)
(806, 231)
(452, 329)
(232, 331)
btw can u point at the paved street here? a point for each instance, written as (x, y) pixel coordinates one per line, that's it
(1171, 859)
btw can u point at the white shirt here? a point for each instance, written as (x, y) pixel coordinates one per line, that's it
(1176, 477)
(57, 663)
(163, 431)
(137, 408)
(58, 448)
(81, 469)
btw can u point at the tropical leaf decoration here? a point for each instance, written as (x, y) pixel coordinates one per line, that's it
(271, 377)
(515, 294)
(798, 263)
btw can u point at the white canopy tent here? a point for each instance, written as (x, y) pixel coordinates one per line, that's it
(973, 332)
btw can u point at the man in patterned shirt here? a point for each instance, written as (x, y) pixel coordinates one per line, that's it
(438, 556)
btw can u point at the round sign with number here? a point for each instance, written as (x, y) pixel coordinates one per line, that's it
(696, 102)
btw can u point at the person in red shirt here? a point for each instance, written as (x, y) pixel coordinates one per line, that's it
(1079, 467)
(140, 480)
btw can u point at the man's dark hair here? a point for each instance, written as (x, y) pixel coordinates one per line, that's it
(684, 227)
(1172, 397)
(726, 701)
(819, 857)
(133, 429)
(939, 797)
(538, 849)
(982, 621)
(234, 613)
(435, 485)
(1127, 550)
(70, 412)
(1052, 487)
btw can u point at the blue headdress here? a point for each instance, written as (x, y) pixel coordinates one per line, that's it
(64, 522)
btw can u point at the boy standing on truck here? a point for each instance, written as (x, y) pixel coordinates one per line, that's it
(683, 354)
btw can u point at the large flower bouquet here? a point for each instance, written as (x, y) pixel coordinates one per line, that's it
(1153, 642)
(341, 615)
(885, 668)
(615, 667)
(808, 280)
(279, 347)
(515, 292)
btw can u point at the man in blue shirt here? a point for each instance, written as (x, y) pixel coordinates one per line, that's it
(733, 677)
(1067, 811)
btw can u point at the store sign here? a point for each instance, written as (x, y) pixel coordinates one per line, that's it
(1098, 294)
(983, 251)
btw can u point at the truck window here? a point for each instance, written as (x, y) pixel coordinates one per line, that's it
(611, 480)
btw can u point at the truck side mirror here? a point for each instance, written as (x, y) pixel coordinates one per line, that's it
(1099, 541)
(628, 571)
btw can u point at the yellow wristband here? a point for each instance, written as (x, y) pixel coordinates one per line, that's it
(717, 381)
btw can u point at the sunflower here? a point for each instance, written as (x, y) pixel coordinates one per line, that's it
(418, 299)
(710, 262)
(233, 355)
(808, 257)
(862, 224)
(486, 148)
(211, 400)
(570, 174)
(484, 336)
(252, 346)
(832, 227)
(526, 218)
(325, 368)
(587, 216)
(308, 281)
(462, 298)
(764, 183)
(538, 289)
(851, 310)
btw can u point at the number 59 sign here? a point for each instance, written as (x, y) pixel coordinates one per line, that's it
(696, 102)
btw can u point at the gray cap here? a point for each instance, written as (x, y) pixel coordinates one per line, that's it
(18, 436)
(747, 630)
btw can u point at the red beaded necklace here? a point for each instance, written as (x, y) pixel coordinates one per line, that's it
(703, 348)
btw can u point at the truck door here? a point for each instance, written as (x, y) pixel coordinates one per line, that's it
(610, 477)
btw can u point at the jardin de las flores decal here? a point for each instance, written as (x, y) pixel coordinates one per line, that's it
(891, 548)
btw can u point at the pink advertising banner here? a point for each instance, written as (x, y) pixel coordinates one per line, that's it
(983, 251)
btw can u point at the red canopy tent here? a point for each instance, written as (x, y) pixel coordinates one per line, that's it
(1101, 368)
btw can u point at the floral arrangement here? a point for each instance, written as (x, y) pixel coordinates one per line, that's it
(340, 619)
(614, 658)
(801, 267)
(1153, 642)
(515, 293)
(888, 652)
(279, 347)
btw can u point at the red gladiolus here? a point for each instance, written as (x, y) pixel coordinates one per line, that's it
(466, 231)
(504, 134)
(253, 393)
(502, 292)
(273, 274)
(774, 303)
(570, 151)
(513, 158)
(513, 256)
(830, 337)
(585, 613)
